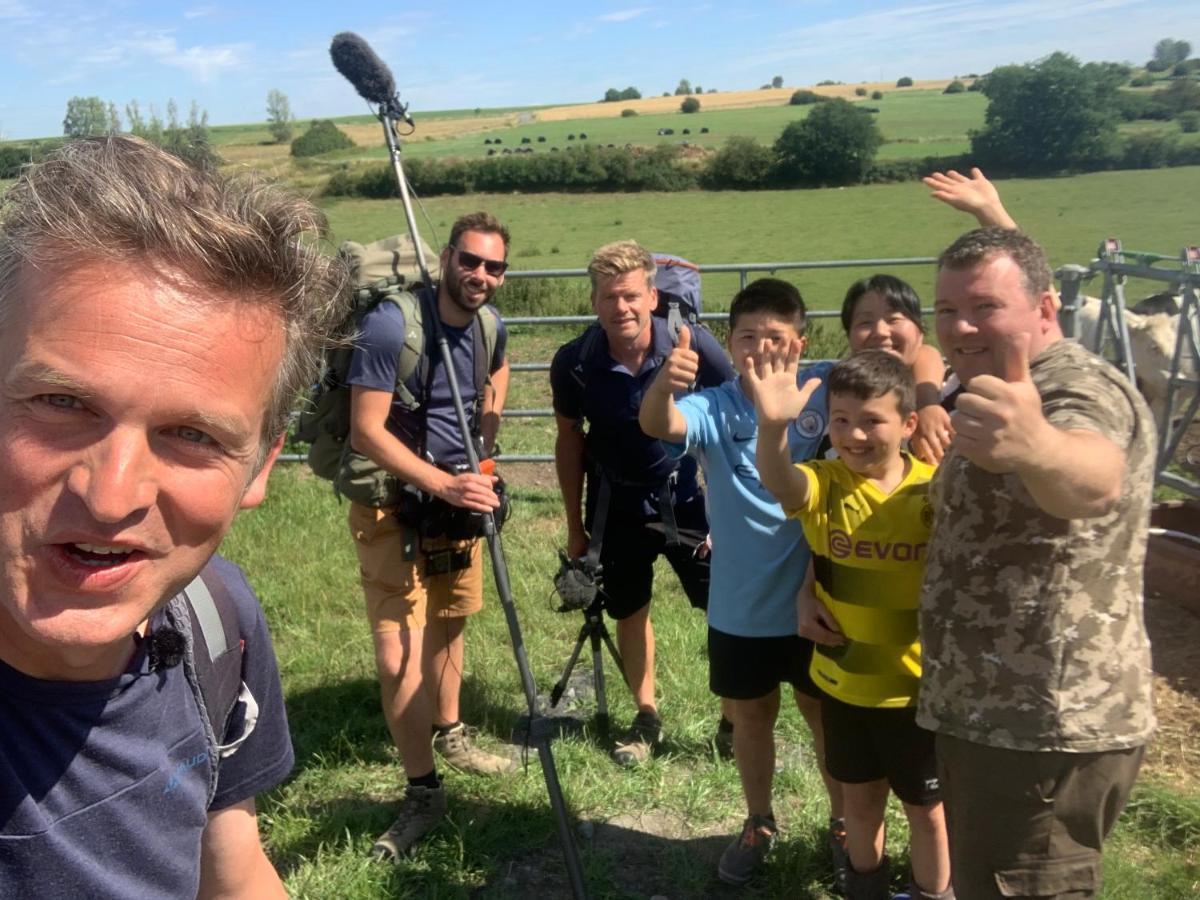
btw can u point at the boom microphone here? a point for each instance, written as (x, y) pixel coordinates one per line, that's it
(354, 58)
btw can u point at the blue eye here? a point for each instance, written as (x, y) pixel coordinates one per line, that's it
(61, 401)
(193, 435)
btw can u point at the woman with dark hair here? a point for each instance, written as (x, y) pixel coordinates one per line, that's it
(883, 312)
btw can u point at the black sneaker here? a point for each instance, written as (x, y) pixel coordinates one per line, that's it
(743, 858)
(837, 849)
(639, 742)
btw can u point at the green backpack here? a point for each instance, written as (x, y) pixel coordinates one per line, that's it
(385, 272)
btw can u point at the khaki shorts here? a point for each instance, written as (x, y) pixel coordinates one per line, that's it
(400, 597)
(1030, 824)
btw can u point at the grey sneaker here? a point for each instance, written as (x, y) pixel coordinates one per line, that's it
(742, 859)
(837, 849)
(421, 809)
(457, 747)
(638, 743)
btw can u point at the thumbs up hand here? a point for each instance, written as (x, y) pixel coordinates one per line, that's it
(681, 368)
(998, 420)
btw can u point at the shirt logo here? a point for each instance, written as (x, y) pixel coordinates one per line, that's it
(742, 438)
(810, 424)
(181, 768)
(841, 547)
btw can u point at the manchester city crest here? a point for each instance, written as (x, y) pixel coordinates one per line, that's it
(810, 424)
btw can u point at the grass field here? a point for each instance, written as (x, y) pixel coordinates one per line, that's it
(657, 830)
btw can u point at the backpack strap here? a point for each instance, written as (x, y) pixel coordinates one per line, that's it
(205, 614)
(412, 365)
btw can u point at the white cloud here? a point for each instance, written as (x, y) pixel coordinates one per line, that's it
(14, 9)
(200, 12)
(624, 15)
(204, 63)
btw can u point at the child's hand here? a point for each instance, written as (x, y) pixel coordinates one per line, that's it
(771, 383)
(681, 367)
(815, 621)
(934, 433)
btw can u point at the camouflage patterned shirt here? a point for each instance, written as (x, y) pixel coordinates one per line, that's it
(1032, 625)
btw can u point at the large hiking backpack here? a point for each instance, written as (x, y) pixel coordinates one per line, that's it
(385, 272)
(678, 284)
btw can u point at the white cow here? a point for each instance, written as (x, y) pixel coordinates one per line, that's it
(1152, 336)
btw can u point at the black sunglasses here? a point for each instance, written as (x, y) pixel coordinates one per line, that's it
(470, 262)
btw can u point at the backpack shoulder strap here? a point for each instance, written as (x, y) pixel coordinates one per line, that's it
(588, 350)
(412, 366)
(205, 614)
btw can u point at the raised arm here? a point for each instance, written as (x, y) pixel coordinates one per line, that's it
(1070, 474)
(659, 416)
(771, 384)
(975, 195)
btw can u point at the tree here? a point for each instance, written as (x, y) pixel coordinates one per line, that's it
(834, 145)
(133, 115)
(689, 105)
(955, 87)
(1168, 52)
(114, 119)
(612, 95)
(904, 81)
(631, 93)
(279, 116)
(685, 87)
(742, 164)
(777, 81)
(85, 116)
(1048, 116)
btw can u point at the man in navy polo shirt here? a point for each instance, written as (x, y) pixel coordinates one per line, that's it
(652, 504)
(159, 323)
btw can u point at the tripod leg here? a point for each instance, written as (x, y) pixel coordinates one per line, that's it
(596, 628)
(557, 692)
(612, 649)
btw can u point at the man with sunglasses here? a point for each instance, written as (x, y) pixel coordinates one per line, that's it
(421, 586)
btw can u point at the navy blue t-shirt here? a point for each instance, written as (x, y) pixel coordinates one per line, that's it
(615, 440)
(373, 365)
(103, 785)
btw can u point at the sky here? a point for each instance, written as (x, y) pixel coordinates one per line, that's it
(226, 56)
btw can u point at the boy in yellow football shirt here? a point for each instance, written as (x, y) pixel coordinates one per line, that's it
(866, 517)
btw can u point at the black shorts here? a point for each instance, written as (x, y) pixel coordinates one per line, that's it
(864, 744)
(627, 556)
(747, 668)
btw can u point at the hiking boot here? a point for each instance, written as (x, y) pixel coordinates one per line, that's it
(723, 740)
(457, 748)
(421, 809)
(837, 849)
(742, 859)
(868, 885)
(639, 741)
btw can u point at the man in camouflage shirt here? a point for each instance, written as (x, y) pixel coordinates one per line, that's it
(1036, 673)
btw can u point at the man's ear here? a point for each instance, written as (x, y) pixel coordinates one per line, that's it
(444, 258)
(256, 491)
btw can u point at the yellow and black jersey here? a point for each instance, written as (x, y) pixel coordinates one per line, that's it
(869, 552)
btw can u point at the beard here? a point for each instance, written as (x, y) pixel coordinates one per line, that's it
(452, 282)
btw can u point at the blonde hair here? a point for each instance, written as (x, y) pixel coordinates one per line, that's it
(119, 198)
(619, 257)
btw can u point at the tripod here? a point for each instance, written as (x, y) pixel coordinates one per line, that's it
(595, 631)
